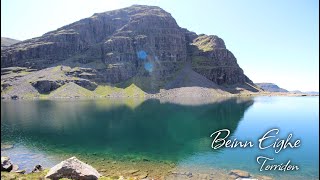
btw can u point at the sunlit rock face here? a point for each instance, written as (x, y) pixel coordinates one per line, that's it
(213, 60)
(140, 44)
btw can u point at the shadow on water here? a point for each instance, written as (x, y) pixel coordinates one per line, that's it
(153, 129)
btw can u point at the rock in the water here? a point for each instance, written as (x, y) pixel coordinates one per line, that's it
(6, 164)
(37, 168)
(189, 174)
(74, 169)
(143, 175)
(6, 146)
(239, 173)
(133, 171)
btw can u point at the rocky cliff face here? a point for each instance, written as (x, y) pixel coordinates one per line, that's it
(116, 43)
(139, 44)
(212, 59)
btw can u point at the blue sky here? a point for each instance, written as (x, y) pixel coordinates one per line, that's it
(273, 41)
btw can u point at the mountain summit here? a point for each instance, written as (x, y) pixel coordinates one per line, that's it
(139, 44)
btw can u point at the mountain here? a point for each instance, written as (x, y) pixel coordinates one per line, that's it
(312, 93)
(5, 42)
(306, 92)
(296, 92)
(141, 45)
(271, 87)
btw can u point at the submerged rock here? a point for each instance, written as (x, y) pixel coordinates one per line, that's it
(73, 168)
(6, 164)
(6, 146)
(143, 175)
(189, 174)
(239, 173)
(133, 171)
(264, 178)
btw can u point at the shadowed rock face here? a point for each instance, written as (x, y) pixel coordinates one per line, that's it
(138, 41)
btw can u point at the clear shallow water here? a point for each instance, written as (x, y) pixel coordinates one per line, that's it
(46, 132)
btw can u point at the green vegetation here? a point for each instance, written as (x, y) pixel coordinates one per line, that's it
(74, 90)
(31, 176)
(43, 96)
(133, 90)
(56, 69)
(6, 90)
(71, 90)
(23, 73)
(29, 95)
(204, 43)
(144, 83)
(105, 90)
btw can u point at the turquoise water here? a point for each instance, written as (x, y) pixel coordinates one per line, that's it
(44, 131)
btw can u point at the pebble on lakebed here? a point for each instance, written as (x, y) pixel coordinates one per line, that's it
(239, 174)
(6, 146)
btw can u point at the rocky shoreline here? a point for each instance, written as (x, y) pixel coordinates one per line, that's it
(56, 83)
(184, 92)
(73, 168)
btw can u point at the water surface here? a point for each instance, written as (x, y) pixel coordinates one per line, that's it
(119, 134)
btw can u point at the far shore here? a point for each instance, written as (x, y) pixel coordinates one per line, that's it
(166, 94)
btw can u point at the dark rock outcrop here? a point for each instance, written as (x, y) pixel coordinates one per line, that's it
(6, 164)
(5, 86)
(86, 84)
(46, 86)
(138, 42)
(37, 168)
